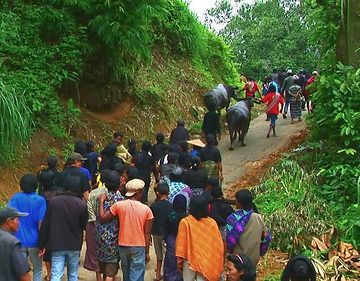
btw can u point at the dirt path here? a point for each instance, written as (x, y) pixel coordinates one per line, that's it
(240, 165)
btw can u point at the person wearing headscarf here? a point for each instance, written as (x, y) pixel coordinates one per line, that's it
(299, 268)
(199, 247)
(245, 229)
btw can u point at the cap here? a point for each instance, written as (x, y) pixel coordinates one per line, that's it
(134, 186)
(76, 157)
(9, 212)
(196, 142)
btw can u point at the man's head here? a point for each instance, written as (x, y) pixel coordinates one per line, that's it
(134, 188)
(118, 137)
(162, 189)
(72, 183)
(146, 146)
(76, 159)
(159, 137)
(9, 219)
(52, 161)
(29, 183)
(181, 123)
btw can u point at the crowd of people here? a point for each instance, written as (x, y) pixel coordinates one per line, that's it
(195, 232)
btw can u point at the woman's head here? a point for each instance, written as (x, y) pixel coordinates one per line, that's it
(239, 267)
(112, 181)
(244, 200)
(179, 202)
(199, 207)
(299, 268)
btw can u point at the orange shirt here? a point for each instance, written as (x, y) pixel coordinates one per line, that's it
(132, 218)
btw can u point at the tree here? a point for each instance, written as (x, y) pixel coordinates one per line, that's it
(266, 35)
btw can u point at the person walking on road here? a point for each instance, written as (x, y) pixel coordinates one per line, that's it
(62, 229)
(199, 245)
(28, 201)
(135, 221)
(13, 265)
(211, 124)
(272, 100)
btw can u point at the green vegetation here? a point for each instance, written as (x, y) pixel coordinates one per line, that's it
(62, 54)
(267, 35)
(319, 185)
(289, 200)
(16, 123)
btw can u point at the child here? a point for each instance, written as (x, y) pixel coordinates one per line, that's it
(272, 100)
(161, 209)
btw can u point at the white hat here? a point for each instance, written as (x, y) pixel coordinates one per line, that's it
(134, 186)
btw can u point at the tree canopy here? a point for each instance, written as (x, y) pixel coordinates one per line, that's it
(266, 35)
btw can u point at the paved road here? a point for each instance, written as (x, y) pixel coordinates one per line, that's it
(258, 146)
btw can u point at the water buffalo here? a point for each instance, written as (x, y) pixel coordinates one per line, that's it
(219, 97)
(238, 119)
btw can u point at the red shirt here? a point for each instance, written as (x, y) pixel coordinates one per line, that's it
(268, 99)
(250, 89)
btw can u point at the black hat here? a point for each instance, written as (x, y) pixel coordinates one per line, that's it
(9, 212)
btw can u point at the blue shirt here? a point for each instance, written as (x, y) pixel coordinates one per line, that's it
(86, 173)
(35, 206)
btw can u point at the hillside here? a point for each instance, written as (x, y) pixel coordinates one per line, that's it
(82, 71)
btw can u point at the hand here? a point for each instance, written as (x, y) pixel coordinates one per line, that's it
(147, 258)
(102, 197)
(41, 253)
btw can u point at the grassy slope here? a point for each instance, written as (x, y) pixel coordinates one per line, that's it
(172, 88)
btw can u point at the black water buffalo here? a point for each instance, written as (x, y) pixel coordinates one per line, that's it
(219, 97)
(238, 119)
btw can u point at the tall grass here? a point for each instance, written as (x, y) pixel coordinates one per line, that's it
(16, 123)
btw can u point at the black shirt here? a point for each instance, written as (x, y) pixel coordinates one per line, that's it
(159, 150)
(211, 153)
(184, 160)
(178, 135)
(145, 164)
(196, 178)
(220, 210)
(64, 222)
(75, 171)
(161, 209)
(211, 123)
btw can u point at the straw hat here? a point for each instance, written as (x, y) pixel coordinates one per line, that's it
(196, 142)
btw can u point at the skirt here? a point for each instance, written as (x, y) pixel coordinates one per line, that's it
(91, 260)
